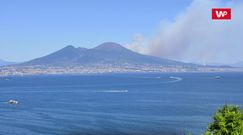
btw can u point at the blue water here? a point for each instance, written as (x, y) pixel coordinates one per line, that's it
(113, 104)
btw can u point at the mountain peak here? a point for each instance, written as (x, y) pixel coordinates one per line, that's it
(109, 45)
(69, 47)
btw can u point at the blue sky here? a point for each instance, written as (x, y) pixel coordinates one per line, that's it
(33, 28)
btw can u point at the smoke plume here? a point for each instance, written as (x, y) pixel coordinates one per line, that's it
(194, 37)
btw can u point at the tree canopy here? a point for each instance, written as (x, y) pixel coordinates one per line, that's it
(228, 120)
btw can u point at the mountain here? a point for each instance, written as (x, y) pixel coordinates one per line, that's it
(5, 63)
(108, 53)
(108, 57)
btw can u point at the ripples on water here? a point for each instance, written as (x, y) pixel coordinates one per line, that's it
(133, 104)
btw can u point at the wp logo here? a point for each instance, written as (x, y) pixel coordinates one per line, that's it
(221, 13)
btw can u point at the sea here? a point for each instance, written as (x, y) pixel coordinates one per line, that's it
(115, 104)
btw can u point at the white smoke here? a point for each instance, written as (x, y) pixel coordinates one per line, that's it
(195, 37)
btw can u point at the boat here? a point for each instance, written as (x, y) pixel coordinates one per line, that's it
(217, 77)
(11, 101)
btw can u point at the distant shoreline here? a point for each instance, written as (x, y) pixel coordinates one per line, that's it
(33, 71)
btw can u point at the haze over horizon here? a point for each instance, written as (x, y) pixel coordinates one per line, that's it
(178, 30)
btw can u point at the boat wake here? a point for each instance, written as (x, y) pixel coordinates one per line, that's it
(158, 77)
(174, 79)
(3, 102)
(113, 91)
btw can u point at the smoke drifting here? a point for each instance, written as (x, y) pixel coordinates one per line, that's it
(194, 37)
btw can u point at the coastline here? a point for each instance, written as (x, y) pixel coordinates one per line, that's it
(88, 70)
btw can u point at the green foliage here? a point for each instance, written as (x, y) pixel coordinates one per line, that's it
(227, 121)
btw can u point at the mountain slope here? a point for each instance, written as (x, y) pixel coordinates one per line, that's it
(5, 63)
(108, 53)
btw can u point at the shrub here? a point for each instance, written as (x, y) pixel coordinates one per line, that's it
(227, 121)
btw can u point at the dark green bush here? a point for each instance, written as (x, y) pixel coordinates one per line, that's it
(227, 121)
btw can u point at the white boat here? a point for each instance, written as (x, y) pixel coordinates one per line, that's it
(11, 101)
(217, 77)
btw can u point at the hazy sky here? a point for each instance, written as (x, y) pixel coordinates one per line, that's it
(33, 28)
(176, 29)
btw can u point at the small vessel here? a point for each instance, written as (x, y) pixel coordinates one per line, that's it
(11, 101)
(217, 77)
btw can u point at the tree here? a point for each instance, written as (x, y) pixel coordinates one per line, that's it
(227, 121)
